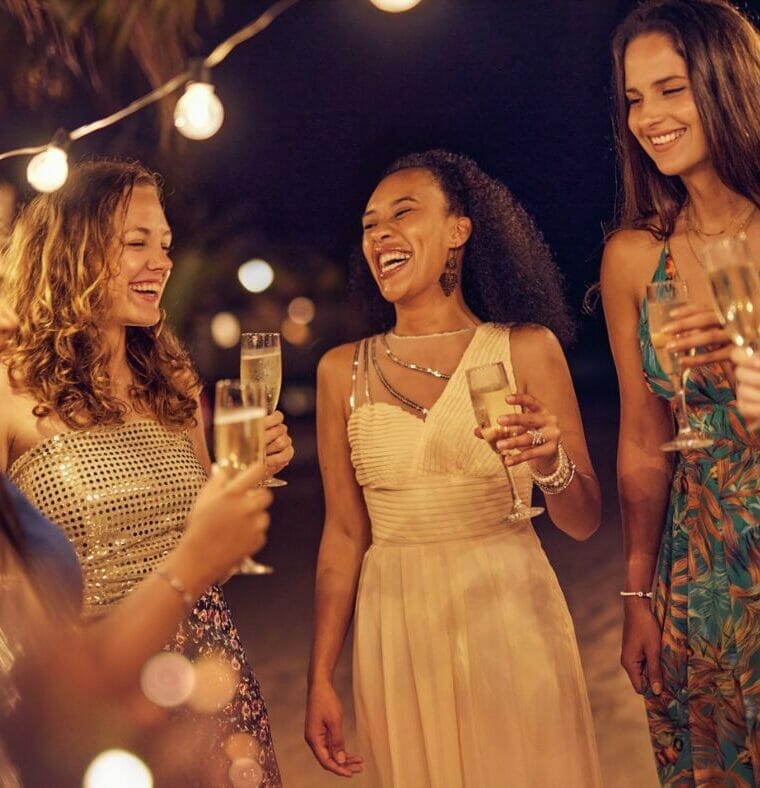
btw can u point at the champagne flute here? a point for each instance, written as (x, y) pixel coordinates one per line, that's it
(736, 288)
(489, 388)
(239, 412)
(662, 298)
(261, 361)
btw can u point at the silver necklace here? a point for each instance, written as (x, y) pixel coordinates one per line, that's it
(436, 373)
(415, 406)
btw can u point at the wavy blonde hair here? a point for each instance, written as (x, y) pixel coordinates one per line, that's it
(57, 264)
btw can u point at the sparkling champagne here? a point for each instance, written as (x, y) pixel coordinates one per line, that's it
(263, 366)
(239, 437)
(488, 405)
(659, 315)
(737, 294)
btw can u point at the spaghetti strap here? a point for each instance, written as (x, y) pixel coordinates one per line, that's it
(354, 370)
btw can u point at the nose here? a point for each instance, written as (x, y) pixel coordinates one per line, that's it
(380, 232)
(160, 260)
(650, 112)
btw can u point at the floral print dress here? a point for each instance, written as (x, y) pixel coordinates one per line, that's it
(707, 596)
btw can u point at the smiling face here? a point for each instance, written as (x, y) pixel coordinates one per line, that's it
(143, 265)
(408, 233)
(662, 115)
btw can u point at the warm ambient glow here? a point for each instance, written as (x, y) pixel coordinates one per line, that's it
(256, 275)
(225, 329)
(48, 170)
(301, 310)
(394, 6)
(199, 113)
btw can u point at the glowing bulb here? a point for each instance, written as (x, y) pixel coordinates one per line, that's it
(256, 275)
(199, 113)
(48, 170)
(394, 6)
(117, 769)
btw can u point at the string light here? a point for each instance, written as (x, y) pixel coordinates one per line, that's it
(256, 275)
(198, 114)
(48, 170)
(394, 6)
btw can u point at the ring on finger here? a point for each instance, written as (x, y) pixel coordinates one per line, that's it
(537, 438)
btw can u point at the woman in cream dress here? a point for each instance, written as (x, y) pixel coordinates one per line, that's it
(466, 669)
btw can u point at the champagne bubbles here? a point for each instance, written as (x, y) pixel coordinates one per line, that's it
(167, 679)
(256, 275)
(117, 769)
(215, 685)
(48, 170)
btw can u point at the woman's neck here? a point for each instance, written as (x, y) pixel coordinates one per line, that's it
(713, 206)
(118, 367)
(434, 316)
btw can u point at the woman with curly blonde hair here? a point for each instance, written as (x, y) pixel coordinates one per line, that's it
(100, 426)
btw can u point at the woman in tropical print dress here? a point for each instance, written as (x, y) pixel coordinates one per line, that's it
(687, 92)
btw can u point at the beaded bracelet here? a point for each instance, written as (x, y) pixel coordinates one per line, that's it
(640, 594)
(178, 586)
(559, 479)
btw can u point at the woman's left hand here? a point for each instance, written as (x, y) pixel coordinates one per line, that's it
(279, 445)
(697, 326)
(533, 434)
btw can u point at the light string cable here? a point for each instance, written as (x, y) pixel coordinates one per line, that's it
(214, 59)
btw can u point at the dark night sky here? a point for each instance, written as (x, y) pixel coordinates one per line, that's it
(335, 89)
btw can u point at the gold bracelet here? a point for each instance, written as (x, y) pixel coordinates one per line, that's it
(178, 586)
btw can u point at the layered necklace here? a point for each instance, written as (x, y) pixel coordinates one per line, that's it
(702, 234)
(435, 373)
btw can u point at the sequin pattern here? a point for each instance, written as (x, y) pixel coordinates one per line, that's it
(122, 496)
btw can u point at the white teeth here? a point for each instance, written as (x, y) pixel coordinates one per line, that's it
(393, 259)
(664, 138)
(152, 289)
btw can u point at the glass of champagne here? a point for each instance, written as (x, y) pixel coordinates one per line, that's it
(261, 361)
(662, 298)
(239, 411)
(489, 388)
(736, 288)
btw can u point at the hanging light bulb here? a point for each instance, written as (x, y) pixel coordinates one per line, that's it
(394, 6)
(48, 170)
(199, 113)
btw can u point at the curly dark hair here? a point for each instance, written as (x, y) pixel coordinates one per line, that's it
(722, 53)
(508, 273)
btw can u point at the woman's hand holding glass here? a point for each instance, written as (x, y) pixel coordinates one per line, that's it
(279, 449)
(696, 332)
(522, 444)
(747, 385)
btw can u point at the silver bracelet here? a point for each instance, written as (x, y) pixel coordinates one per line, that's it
(641, 594)
(559, 479)
(178, 586)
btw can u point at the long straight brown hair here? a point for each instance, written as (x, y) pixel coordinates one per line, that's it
(722, 53)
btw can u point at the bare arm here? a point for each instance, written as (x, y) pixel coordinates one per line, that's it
(644, 471)
(345, 538)
(541, 370)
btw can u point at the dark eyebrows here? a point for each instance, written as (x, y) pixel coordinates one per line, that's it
(394, 203)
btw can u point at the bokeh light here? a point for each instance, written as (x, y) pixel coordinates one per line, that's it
(198, 114)
(295, 333)
(256, 275)
(215, 685)
(48, 170)
(301, 310)
(117, 769)
(225, 329)
(167, 679)
(394, 6)
(245, 773)
(241, 745)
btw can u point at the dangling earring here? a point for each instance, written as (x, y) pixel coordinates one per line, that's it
(450, 277)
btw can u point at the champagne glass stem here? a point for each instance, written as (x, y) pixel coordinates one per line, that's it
(517, 502)
(682, 417)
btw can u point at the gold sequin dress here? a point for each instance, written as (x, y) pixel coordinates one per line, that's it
(122, 496)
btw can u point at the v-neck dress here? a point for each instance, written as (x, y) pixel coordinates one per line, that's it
(708, 588)
(466, 669)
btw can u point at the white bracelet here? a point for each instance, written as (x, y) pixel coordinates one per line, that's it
(178, 586)
(647, 594)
